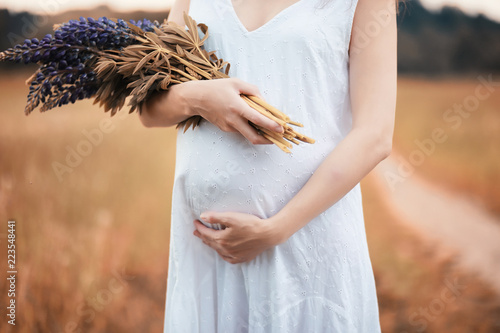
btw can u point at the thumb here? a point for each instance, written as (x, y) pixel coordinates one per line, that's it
(221, 218)
(247, 88)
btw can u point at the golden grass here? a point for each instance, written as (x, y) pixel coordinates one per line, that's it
(93, 249)
(111, 213)
(469, 160)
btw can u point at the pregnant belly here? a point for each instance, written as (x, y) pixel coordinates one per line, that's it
(223, 172)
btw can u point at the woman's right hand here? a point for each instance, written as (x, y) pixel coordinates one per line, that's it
(217, 101)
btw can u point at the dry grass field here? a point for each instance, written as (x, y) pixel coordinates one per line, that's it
(92, 237)
(467, 156)
(92, 249)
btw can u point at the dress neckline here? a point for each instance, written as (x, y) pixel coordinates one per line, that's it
(266, 24)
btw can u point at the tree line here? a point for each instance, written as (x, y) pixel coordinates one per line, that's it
(429, 43)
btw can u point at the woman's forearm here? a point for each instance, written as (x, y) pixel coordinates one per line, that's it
(342, 169)
(217, 101)
(165, 109)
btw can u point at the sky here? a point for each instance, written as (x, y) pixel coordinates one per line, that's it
(491, 8)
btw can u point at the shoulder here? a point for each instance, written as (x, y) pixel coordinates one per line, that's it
(177, 12)
(374, 26)
(369, 13)
(366, 9)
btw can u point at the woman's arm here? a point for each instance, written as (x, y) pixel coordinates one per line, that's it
(177, 11)
(218, 101)
(373, 77)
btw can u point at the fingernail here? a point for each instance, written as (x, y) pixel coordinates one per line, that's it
(203, 217)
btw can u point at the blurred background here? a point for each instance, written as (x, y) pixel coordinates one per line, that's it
(92, 237)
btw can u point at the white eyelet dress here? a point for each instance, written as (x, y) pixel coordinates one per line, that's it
(321, 279)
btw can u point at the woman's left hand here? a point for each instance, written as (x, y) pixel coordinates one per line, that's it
(245, 236)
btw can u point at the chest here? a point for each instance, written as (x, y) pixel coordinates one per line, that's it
(319, 24)
(256, 13)
(306, 40)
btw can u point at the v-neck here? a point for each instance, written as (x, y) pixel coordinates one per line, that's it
(263, 26)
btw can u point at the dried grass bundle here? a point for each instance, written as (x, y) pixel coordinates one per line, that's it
(172, 55)
(112, 60)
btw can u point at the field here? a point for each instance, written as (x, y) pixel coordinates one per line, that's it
(93, 247)
(91, 199)
(467, 157)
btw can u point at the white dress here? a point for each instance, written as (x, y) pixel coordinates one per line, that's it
(321, 279)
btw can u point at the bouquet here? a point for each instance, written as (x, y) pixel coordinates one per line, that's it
(112, 60)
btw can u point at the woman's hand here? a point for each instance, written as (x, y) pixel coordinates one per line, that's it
(245, 236)
(217, 101)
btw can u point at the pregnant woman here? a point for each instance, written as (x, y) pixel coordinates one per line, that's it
(261, 240)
